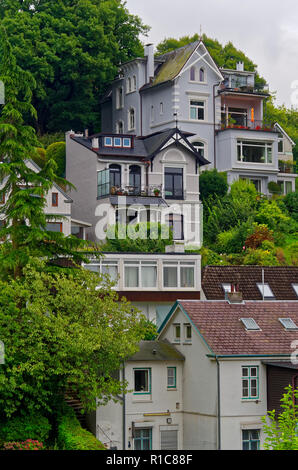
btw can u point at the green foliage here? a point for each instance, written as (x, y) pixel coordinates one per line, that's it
(260, 257)
(71, 436)
(260, 234)
(212, 183)
(20, 428)
(281, 432)
(143, 237)
(271, 215)
(274, 188)
(209, 257)
(39, 157)
(150, 329)
(62, 331)
(29, 444)
(291, 203)
(72, 49)
(57, 152)
(245, 191)
(233, 240)
(46, 140)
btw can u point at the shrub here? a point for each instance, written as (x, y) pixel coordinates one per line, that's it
(39, 157)
(291, 203)
(57, 152)
(29, 444)
(259, 235)
(270, 214)
(232, 241)
(19, 428)
(244, 190)
(260, 257)
(71, 436)
(212, 183)
(274, 188)
(209, 257)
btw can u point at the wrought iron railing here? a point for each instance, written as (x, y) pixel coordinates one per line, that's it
(255, 125)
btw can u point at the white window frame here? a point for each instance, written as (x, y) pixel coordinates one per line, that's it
(119, 98)
(263, 144)
(204, 107)
(139, 265)
(267, 289)
(129, 126)
(105, 262)
(178, 265)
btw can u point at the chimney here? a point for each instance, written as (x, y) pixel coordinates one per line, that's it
(86, 133)
(240, 66)
(149, 53)
(235, 297)
(95, 144)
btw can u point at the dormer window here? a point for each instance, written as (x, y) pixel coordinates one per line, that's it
(117, 142)
(265, 291)
(295, 287)
(227, 287)
(126, 142)
(108, 142)
(250, 324)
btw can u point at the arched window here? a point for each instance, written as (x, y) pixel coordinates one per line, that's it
(128, 85)
(131, 119)
(134, 83)
(152, 113)
(135, 179)
(161, 107)
(115, 176)
(192, 74)
(202, 75)
(200, 147)
(119, 98)
(119, 127)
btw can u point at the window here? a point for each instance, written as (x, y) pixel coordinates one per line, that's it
(169, 440)
(174, 183)
(142, 381)
(200, 147)
(54, 227)
(202, 75)
(250, 439)
(175, 223)
(265, 291)
(289, 187)
(254, 152)
(119, 98)
(177, 332)
(227, 287)
(178, 274)
(127, 142)
(131, 119)
(295, 287)
(135, 179)
(108, 142)
(288, 323)
(117, 142)
(142, 439)
(161, 108)
(128, 85)
(280, 143)
(119, 127)
(250, 382)
(171, 377)
(250, 324)
(140, 274)
(187, 332)
(197, 110)
(152, 113)
(77, 231)
(192, 74)
(134, 83)
(115, 175)
(103, 183)
(105, 267)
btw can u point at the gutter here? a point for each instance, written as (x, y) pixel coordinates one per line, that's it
(218, 407)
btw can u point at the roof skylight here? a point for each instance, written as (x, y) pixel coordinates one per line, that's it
(288, 323)
(250, 324)
(265, 290)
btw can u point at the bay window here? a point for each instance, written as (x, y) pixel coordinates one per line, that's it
(254, 152)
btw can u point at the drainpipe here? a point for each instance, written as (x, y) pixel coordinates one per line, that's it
(123, 411)
(141, 114)
(218, 407)
(214, 144)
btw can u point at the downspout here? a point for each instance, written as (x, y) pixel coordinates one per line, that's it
(141, 114)
(218, 407)
(214, 140)
(123, 411)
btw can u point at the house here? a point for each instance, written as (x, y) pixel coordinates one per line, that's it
(254, 282)
(239, 356)
(58, 208)
(223, 110)
(151, 281)
(150, 415)
(127, 179)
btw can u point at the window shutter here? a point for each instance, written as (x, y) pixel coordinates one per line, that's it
(169, 440)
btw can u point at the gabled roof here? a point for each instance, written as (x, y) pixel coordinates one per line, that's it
(156, 351)
(284, 132)
(175, 61)
(143, 147)
(219, 324)
(279, 278)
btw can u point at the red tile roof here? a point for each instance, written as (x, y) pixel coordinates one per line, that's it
(279, 278)
(220, 325)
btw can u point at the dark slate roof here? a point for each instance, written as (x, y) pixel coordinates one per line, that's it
(143, 147)
(279, 278)
(157, 351)
(218, 322)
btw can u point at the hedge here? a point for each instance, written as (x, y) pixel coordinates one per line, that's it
(21, 428)
(71, 436)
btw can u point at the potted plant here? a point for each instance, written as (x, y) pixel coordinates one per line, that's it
(156, 192)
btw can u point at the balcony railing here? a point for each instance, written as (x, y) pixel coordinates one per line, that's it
(249, 125)
(287, 167)
(107, 189)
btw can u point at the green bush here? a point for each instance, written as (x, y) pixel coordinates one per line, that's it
(39, 157)
(57, 152)
(270, 214)
(21, 428)
(244, 190)
(291, 203)
(71, 436)
(260, 257)
(274, 188)
(213, 183)
(232, 241)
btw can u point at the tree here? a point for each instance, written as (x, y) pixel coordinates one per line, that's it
(282, 432)
(72, 48)
(25, 231)
(62, 332)
(213, 183)
(57, 152)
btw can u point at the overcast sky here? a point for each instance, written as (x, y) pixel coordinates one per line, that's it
(265, 30)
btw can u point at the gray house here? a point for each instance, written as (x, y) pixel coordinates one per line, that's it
(222, 109)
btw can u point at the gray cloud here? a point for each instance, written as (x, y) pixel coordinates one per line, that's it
(265, 30)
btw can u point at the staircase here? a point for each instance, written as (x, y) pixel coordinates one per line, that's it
(72, 400)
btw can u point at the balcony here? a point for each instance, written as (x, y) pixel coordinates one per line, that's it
(287, 166)
(246, 125)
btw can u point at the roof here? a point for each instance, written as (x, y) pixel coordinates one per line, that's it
(282, 364)
(220, 325)
(143, 147)
(279, 278)
(156, 351)
(285, 134)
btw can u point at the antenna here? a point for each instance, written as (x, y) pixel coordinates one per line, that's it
(200, 32)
